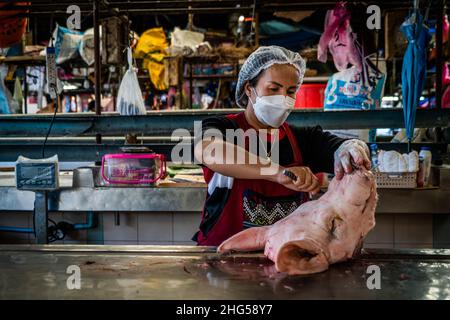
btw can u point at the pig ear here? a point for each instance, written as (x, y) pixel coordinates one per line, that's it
(248, 240)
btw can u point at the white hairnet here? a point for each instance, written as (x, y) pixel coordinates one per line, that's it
(261, 59)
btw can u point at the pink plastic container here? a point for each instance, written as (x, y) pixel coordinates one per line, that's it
(133, 168)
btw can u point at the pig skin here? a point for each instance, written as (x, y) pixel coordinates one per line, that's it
(319, 232)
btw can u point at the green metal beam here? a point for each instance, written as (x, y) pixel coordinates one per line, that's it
(165, 122)
(72, 150)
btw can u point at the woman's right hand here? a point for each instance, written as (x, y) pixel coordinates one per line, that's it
(306, 180)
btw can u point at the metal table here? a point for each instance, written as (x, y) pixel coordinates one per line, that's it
(171, 272)
(82, 191)
(72, 197)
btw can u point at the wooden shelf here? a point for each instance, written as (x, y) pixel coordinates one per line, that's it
(209, 59)
(315, 79)
(23, 60)
(212, 76)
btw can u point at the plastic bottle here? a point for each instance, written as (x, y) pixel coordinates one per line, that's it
(425, 154)
(374, 156)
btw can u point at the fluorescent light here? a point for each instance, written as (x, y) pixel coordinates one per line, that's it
(390, 98)
(69, 87)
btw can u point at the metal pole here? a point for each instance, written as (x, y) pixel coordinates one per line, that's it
(41, 217)
(180, 64)
(97, 66)
(439, 58)
(25, 91)
(191, 87)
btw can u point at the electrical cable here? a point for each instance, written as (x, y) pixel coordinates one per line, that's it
(51, 125)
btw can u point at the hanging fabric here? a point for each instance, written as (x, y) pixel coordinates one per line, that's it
(339, 38)
(12, 27)
(152, 48)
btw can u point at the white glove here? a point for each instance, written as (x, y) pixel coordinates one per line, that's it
(352, 153)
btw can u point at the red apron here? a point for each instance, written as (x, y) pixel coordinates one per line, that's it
(254, 202)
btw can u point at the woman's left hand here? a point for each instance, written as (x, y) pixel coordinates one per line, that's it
(351, 153)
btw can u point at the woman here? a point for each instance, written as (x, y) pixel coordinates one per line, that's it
(240, 195)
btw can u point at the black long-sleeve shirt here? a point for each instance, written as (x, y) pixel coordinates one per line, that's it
(316, 146)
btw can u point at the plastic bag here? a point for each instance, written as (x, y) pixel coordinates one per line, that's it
(5, 95)
(129, 97)
(185, 38)
(67, 43)
(86, 48)
(353, 90)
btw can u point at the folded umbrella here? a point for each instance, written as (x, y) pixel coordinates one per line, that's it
(414, 68)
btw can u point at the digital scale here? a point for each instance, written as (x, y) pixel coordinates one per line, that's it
(37, 174)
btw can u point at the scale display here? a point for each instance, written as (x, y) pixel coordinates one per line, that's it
(36, 176)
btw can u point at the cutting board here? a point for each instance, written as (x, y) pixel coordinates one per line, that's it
(185, 181)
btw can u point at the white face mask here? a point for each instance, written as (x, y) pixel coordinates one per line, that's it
(272, 110)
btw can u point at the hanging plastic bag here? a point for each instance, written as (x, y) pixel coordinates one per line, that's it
(347, 91)
(129, 97)
(353, 90)
(67, 43)
(87, 46)
(4, 105)
(5, 95)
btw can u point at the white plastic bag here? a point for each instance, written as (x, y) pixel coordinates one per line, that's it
(185, 38)
(86, 48)
(129, 97)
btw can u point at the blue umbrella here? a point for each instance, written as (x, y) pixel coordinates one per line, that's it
(414, 68)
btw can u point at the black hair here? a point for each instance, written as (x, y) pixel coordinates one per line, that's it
(253, 82)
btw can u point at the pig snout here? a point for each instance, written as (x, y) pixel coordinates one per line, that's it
(302, 257)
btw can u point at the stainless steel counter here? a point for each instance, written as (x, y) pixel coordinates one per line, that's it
(157, 272)
(82, 191)
(72, 198)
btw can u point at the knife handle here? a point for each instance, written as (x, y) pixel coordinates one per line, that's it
(289, 174)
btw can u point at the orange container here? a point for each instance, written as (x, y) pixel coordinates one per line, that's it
(310, 95)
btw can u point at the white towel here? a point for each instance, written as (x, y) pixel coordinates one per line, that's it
(393, 161)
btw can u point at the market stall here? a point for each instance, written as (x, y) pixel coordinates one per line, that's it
(101, 105)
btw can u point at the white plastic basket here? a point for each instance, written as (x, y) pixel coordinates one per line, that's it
(396, 180)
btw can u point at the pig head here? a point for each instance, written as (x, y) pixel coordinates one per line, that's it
(320, 232)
